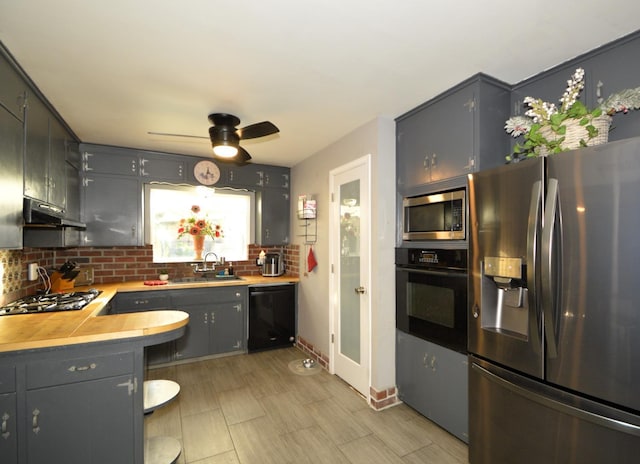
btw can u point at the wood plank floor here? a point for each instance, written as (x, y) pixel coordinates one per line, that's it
(252, 409)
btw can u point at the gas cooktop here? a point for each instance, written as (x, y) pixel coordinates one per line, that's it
(49, 302)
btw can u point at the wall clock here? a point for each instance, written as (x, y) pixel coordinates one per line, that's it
(206, 172)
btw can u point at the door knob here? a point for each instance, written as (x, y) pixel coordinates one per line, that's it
(359, 290)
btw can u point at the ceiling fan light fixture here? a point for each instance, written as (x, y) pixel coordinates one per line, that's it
(225, 150)
(224, 141)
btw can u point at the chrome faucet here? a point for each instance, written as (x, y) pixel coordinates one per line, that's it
(204, 267)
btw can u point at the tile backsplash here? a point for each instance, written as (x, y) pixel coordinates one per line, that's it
(11, 269)
(112, 264)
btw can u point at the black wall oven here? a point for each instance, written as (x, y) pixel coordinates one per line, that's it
(431, 295)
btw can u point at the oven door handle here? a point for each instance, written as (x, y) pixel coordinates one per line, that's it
(433, 273)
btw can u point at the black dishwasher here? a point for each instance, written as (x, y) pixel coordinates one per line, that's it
(272, 316)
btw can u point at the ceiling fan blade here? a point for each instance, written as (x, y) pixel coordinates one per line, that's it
(243, 157)
(259, 129)
(177, 135)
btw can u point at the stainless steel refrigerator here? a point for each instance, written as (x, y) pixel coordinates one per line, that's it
(554, 315)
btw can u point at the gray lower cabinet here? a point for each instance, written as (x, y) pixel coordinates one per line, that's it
(8, 416)
(434, 381)
(454, 134)
(131, 302)
(102, 428)
(217, 321)
(72, 405)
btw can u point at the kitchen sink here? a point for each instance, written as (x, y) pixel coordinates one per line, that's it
(205, 278)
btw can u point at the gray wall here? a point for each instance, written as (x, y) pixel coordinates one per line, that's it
(311, 176)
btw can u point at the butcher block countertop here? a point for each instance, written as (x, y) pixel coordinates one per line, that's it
(91, 324)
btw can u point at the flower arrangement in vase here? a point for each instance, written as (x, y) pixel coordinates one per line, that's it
(199, 228)
(548, 129)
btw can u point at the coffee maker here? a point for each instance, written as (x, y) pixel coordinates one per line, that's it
(272, 264)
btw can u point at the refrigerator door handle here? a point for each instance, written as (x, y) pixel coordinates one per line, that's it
(563, 407)
(546, 261)
(533, 228)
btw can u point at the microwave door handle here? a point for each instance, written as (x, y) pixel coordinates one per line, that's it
(533, 229)
(546, 261)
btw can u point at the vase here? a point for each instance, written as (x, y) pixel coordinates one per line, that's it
(575, 133)
(198, 246)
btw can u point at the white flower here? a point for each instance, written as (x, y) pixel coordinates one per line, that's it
(518, 125)
(574, 87)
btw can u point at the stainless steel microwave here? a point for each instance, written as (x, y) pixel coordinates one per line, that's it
(436, 216)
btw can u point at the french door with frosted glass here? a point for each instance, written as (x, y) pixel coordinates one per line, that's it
(349, 231)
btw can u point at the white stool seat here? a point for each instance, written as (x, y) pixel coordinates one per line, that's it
(157, 393)
(161, 450)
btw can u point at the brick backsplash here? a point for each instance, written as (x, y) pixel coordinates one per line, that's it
(114, 264)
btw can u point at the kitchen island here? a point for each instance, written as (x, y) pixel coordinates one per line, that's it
(71, 382)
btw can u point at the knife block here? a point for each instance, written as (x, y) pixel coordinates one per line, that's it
(59, 285)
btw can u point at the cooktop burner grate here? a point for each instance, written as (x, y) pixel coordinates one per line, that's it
(50, 302)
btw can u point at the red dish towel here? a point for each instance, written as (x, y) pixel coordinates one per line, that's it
(311, 260)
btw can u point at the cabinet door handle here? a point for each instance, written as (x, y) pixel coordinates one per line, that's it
(238, 308)
(82, 368)
(470, 164)
(132, 386)
(34, 421)
(599, 86)
(5, 425)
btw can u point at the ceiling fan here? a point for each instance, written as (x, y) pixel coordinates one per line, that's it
(225, 136)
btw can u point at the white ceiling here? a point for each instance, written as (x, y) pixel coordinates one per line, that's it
(117, 69)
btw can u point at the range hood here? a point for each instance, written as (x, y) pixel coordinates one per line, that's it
(42, 214)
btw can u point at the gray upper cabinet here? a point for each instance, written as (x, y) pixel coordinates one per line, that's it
(453, 134)
(162, 167)
(36, 163)
(274, 176)
(615, 68)
(112, 210)
(57, 172)
(111, 197)
(109, 160)
(11, 147)
(246, 176)
(609, 69)
(12, 88)
(45, 154)
(12, 91)
(548, 86)
(273, 216)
